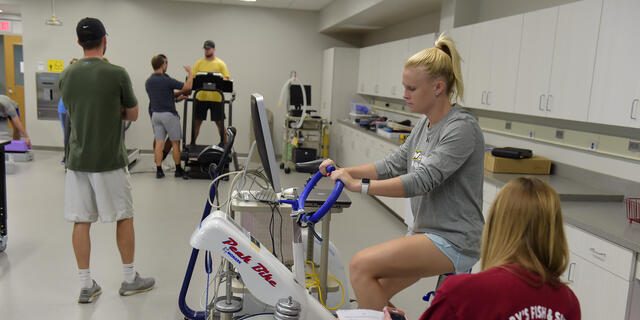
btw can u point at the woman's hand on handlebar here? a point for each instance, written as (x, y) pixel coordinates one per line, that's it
(350, 183)
(323, 166)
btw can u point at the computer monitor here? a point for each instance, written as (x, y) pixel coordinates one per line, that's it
(295, 95)
(263, 140)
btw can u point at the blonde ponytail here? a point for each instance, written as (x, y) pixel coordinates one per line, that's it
(442, 61)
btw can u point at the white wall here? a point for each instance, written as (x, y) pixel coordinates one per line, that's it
(493, 9)
(260, 46)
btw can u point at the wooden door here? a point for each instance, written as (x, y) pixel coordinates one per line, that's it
(14, 73)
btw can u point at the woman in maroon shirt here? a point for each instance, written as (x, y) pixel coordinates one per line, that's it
(524, 252)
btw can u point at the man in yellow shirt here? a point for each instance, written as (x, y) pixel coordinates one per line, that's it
(206, 100)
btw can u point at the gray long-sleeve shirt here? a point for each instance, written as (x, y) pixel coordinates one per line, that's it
(442, 170)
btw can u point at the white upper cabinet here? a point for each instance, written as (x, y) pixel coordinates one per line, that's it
(556, 60)
(369, 70)
(462, 40)
(493, 64)
(392, 58)
(616, 86)
(573, 59)
(536, 55)
(419, 43)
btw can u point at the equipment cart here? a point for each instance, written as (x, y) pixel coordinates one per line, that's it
(307, 143)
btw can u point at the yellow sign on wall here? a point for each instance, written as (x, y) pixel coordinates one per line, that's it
(55, 65)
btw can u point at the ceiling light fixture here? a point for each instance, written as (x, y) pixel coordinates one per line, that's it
(1, 11)
(53, 21)
(248, 0)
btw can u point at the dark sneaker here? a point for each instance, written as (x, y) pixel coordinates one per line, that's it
(160, 174)
(138, 285)
(179, 172)
(88, 295)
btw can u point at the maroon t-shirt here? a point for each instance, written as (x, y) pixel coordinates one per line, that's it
(499, 293)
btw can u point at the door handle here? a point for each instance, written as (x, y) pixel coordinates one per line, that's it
(549, 102)
(634, 103)
(570, 274)
(601, 255)
(10, 90)
(540, 102)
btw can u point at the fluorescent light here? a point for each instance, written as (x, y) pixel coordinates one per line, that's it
(1, 11)
(248, 0)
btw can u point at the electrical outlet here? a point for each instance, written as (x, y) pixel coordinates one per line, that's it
(634, 146)
(507, 125)
(532, 134)
(560, 134)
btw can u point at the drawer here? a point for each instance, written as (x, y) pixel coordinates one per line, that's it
(603, 253)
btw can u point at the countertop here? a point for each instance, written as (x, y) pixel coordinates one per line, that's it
(594, 210)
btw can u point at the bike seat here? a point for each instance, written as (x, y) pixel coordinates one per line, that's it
(309, 166)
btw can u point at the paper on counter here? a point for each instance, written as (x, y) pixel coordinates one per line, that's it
(360, 314)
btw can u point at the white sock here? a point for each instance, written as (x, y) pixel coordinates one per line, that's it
(85, 278)
(129, 272)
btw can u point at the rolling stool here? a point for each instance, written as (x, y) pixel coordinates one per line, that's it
(441, 278)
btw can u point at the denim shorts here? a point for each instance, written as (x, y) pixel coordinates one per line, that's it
(461, 263)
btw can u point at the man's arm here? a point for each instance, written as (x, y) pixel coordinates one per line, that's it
(130, 114)
(19, 129)
(186, 88)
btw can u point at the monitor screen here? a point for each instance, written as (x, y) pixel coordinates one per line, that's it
(263, 140)
(295, 95)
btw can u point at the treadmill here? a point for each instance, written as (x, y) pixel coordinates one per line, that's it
(132, 154)
(197, 158)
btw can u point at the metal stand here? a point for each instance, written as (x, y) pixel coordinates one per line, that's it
(3, 199)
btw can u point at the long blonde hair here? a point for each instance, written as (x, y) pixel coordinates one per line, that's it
(525, 227)
(442, 61)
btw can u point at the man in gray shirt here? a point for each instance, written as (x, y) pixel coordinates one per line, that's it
(8, 111)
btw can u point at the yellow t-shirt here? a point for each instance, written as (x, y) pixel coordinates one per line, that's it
(215, 65)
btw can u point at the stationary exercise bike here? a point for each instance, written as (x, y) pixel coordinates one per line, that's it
(262, 273)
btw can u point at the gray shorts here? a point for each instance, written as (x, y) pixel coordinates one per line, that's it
(92, 195)
(166, 123)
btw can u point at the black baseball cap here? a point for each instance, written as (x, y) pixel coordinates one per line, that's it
(209, 44)
(90, 29)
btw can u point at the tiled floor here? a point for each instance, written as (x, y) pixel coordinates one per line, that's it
(38, 271)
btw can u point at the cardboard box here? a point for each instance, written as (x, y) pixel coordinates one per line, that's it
(533, 165)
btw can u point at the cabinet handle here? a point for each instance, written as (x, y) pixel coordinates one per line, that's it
(634, 103)
(599, 254)
(488, 95)
(393, 90)
(549, 102)
(483, 97)
(540, 102)
(376, 89)
(570, 274)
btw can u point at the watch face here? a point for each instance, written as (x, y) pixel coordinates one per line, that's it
(365, 180)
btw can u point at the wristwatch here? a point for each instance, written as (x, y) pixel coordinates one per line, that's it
(365, 185)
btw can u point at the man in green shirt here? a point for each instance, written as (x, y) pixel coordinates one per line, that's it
(98, 96)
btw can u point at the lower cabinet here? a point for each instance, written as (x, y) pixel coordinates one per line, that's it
(599, 274)
(357, 148)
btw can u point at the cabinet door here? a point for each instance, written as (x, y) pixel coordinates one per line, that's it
(372, 86)
(392, 58)
(462, 39)
(602, 295)
(506, 34)
(573, 59)
(362, 70)
(615, 80)
(536, 55)
(479, 65)
(327, 83)
(419, 43)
